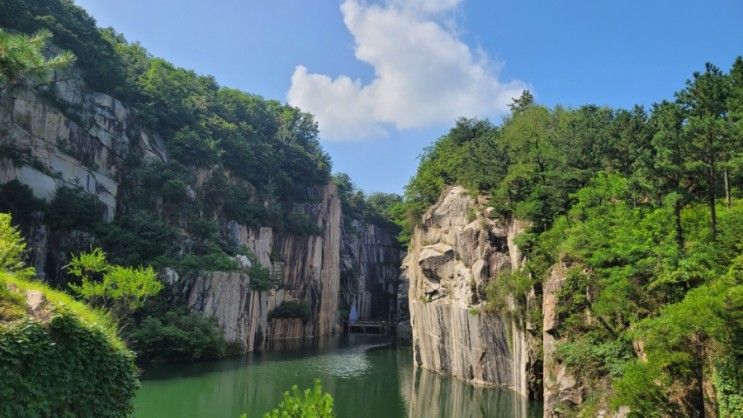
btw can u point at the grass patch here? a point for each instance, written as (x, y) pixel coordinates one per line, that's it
(60, 301)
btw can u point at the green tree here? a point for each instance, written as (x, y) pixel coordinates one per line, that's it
(667, 173)
(22, 56)
(12, 248)
(117, 288)
(532, 186)
(735, 111)
(705, 101)
(522, 102)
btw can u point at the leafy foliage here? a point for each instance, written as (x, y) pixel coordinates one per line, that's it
(72, 364)
(261, 278)
(22, 56)
(290, 309)
(312, 403)
(120, 289)
(65, 369)
(137, 238)
(379, 208)
(72, 208)
(74, 30)
(177, 335)
(18, 199)
(12, 248)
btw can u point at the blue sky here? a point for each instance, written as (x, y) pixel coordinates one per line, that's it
(387, 77)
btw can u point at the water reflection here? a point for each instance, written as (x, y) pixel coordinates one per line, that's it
(368, 377)
(431, 395)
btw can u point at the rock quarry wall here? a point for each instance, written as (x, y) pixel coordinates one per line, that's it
(65, 135)
(309, 273)
(370, 270)
(455, 251)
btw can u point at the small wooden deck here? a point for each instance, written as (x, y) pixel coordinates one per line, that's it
(370, 327)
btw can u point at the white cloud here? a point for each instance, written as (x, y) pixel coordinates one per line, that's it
(424, 74)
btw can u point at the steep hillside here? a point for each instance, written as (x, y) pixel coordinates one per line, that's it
(619, 292)
(58, 357)
(227, 194)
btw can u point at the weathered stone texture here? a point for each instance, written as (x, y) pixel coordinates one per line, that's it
(454, 253)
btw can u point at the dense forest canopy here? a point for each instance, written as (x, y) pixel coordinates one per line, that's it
(262, 159)
(272, 146)
(687, 149)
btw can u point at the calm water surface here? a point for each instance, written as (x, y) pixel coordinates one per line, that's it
(367, 376)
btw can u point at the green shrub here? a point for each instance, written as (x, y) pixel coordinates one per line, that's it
(65, 368)
(261, 278)
(729, 385)
(18, 199)
(72, 208)
(118, 289)
(642, 388)
(204, 229)
(290, 309)
(312, 403)
(510, 284)
(178, 335)
(214, 260)
(174, 191)
(298, 223)
(135, 239)
(12, 249)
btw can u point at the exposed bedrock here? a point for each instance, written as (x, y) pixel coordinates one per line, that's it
(454, 253)
(309, 271)
(370, 270)
(64, 134)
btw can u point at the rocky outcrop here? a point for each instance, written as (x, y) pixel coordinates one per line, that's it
(404, 332)
(63, 134)
(454, 253)
(370, 270)
(561, 387)
(306, 266)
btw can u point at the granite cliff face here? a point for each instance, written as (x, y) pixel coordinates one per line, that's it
(308, 268)
(370, 270)
(561, 388)
(454, 253)
(64, 135)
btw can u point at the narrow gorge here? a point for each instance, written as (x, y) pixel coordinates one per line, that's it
(170, 246)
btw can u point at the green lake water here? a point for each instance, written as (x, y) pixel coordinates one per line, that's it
(367, 376)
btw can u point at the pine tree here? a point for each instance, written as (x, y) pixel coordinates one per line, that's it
(22, 56)
(707, 129)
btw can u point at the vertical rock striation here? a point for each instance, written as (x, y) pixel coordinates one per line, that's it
(307, 266)
(454, 253)
(65, 135)
(370, 270)
(560, 386)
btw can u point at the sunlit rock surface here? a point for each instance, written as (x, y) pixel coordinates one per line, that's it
(307, 265)
(454, 253)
